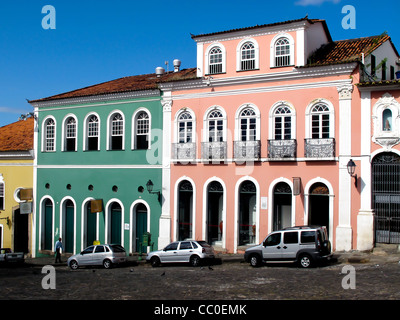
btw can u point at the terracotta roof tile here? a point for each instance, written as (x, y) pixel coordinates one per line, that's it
(346, 51)
(17, 136)
(125, 84)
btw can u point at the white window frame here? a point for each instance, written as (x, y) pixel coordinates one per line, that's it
(309, 113)
(177, 125)
(44, 134)
(273, 50)
(135, 128)
(65, 132)
(239, 117)
(206, 123)
(272, 117)
(110, 127)
(2, 192)
(239, 54)
(86, 131)
(207, 58)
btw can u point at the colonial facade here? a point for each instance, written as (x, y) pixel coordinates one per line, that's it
(16, 183)
(263, 138)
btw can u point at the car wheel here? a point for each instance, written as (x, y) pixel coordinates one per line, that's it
(73, 265)
(155, 262)
(195, 261)
(255, 260)
(107, 264)
(305, 261)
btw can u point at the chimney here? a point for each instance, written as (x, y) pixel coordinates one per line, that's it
(177, 64)
(160, 71)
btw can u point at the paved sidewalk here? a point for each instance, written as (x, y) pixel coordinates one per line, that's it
(381, 254)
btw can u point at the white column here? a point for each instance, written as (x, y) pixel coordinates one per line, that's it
(164, 236)
(200, 60)
(344, 230)
(365, 217)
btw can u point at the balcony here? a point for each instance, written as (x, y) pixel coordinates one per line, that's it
(183, 152)
(213, 150)
(319, 148)
(282, 149)
(247, 150)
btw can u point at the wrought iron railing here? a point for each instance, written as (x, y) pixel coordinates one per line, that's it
(319, 148)
(282, 149)
(184, 151)
(214, 150)
(243, 150)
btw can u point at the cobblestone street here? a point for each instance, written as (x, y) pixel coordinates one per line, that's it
(226, 281)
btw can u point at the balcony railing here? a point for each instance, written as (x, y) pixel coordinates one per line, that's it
(183, 151)
(282, 149)
(213, 150)
(244, 150)
(319, 148)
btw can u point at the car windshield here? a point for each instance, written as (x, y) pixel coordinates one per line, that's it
(117, 248)
(203, 244)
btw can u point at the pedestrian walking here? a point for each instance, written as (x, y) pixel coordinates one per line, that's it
(59, 247)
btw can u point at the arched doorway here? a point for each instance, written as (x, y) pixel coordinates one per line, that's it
(215, 208)
(247, 213)
(68, 226)
(185, 210)
(386, 197)
(115, 218)
(318, 205)
(282, 216)
(90, 223)
(47, 225)
(141, 225)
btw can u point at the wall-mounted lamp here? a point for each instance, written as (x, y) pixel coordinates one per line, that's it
(150, 186)
(351, 168)
(8, 221)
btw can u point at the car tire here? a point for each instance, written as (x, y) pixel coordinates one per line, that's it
(107, 264)
(255, 260)
(155, 262)
(195, 261)
(305, 261)
(74, 265)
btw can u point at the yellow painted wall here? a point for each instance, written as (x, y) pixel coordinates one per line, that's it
(16, 174)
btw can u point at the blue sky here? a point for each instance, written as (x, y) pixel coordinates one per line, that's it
(100, 40)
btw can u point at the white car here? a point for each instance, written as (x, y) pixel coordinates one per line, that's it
(188, 251)
(98, 255)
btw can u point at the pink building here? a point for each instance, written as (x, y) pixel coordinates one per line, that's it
(262, 138)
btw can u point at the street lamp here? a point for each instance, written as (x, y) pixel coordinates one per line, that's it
(150, 186)
(351, 168)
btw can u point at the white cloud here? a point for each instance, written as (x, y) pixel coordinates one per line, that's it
(305, 3)
(12, 110)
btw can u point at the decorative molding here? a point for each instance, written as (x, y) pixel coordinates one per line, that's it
(167, 105)
(345, 91)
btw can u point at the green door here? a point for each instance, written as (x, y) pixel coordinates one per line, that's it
(69, 227)
(90, 226)
(48, 225)
(116, 219)
(141, 225)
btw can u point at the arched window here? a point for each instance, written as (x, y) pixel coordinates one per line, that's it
(387, 120)
(282, 123)
(282, 52)
(70, 134)
(248, 56)
(93, 127)
(320, 121)
(248, 125)
(215, 123)
(142, 131)
(185, 128)
(50, 135)
(215, 63)
(116, 132)
(2, 194)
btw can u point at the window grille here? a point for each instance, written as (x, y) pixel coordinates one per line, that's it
(93, 133)
(185, 124)
(320, 125)
(50, 135)
(215, 126)
(282, 52)
(248, 125)
(283, 123)
(142, 130)
(248, 61)
(215, 61)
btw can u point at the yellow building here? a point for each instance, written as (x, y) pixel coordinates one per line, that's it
(16, 181)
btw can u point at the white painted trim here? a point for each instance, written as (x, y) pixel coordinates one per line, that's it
(64, 134)
(207, 57)
(134, 126)
(273, 46)
(239, 54)
(108, 217)
(271, 122)
(84, 221)
(41, 217)
(62, 220)
(132, 223)
(308, 118)
(205, 122)
(43, 135)
(85, 132)
(176, 124)
(238, 118)
(109, 128)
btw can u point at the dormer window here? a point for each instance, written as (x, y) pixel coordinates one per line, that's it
(282, 52)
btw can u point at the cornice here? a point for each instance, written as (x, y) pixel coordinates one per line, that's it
(17, 155)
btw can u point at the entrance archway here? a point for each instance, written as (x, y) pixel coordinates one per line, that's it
(215, 208)
(47, 225)
(282, 204)
(247, 213)
(386, 197)
(185, 210)
(115, 218)
(140, 211)
(318, 205)
(68, 226)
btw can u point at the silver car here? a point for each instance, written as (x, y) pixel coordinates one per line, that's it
(188, 251)
(98, 255)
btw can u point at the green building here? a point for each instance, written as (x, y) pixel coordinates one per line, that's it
(98, 165)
